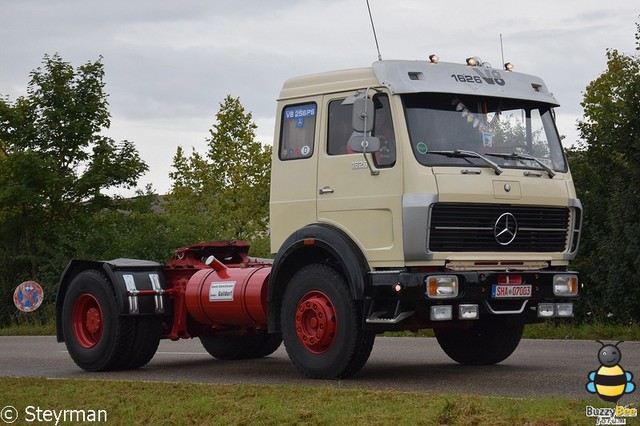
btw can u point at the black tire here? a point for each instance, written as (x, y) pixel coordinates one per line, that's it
(362, 356)
(322, 325)
(253, 345)
(489, 341)
(96, 337)
(148, 331)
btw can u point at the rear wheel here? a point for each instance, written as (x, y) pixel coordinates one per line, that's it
(322, 325)
(96, 337)
(489, 341)
(148, 331)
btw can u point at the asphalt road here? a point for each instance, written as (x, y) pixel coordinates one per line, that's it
(538, 367)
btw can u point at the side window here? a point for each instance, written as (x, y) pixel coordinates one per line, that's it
(339, 130)
(297, 131)
(339, 127)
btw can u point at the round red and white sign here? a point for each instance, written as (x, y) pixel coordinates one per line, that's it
(28, 296)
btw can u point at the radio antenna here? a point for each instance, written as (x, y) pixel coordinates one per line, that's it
(502, 50)
(375, 37)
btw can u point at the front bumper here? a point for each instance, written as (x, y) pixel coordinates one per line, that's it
(405, 300)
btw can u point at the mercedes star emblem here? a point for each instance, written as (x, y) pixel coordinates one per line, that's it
(505, 229)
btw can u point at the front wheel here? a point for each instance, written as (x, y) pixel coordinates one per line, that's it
(488, 341)
(322, 325)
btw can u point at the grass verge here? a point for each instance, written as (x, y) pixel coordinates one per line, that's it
(40, 329)
(142, 403)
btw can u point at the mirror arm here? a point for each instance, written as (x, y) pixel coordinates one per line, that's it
(372, 167)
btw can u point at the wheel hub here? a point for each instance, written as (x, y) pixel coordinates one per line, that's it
(316, 322)
(87, 321)
(93, 322)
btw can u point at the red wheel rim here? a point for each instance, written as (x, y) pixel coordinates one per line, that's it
(87, 321)
(316, 322)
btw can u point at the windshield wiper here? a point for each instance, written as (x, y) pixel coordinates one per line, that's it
(458, 153)
(516, 156)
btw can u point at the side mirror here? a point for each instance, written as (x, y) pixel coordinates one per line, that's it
(363, 115)
(358, 142)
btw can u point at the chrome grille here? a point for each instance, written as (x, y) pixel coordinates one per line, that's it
(472, 228)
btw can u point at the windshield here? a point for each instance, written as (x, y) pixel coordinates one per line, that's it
(505, 130)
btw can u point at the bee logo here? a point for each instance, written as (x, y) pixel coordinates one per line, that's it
(610, 381)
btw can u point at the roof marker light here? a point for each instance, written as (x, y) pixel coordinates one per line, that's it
(509, 66)
(434, 58)
(475, 61)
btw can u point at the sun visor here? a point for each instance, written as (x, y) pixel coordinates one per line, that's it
(442, 77)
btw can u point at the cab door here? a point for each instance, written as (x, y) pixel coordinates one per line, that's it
(366, 206)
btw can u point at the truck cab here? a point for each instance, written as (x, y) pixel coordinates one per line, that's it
(447, 191)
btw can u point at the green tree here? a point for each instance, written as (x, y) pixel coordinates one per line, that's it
(225, 193)
(55, 165)
(606, 168)
(135, 228)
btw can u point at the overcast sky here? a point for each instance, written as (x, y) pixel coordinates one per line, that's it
(169, 64)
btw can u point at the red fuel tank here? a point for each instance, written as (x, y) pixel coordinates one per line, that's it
(229, 296)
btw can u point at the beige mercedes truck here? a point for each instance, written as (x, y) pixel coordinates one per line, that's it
(418, 194)
(406, 195)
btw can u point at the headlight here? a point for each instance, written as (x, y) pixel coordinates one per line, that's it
(442, 286)
(565, 285)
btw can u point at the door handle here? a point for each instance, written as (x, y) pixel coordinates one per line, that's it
(325, 190)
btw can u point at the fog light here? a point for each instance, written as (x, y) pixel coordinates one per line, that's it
(565, 285)
(564, 310)
(442, 286)
(441, 313)
(546, 310)
(468, 312)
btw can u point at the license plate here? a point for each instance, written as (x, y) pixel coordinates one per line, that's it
(510, 291)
